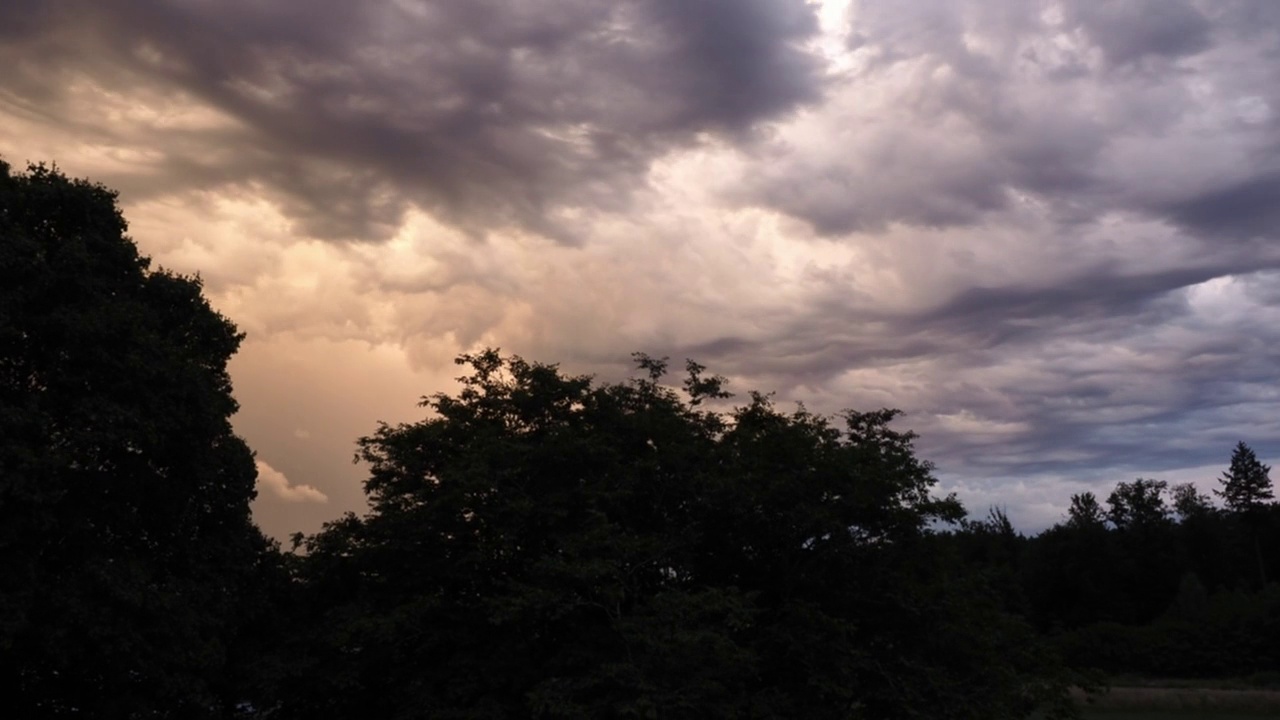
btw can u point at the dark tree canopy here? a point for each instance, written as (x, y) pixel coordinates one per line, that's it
(1138, 505)
(1156, 593)
(125, 533)
(543, 546)
(1190, 503)
(1246, 485)
(1085, 512)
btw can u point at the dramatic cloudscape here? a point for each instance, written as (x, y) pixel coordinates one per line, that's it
(1048, 231)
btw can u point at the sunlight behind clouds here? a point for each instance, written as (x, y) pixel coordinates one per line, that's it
(1048, 226)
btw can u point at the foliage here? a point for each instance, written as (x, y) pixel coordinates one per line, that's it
(1152, 592)
(124, 496)
(1230, 633)
(1246, 491)
(543, 546)
(1246, 485)
(1138, 505)
(1085, 512)
(1189, 502)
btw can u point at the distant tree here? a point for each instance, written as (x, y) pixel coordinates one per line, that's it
(992, 546)
(1138, 505)
(1085, 512)
(1069, 572)
(1203, 536)
(1246, 485)
(999, 523)
(125, 535)
(543, 546)
(1147, 560)
(1189, 502)
(992, 539)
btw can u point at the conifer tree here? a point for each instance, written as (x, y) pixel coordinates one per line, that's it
(1246, 489)
(1246, 486)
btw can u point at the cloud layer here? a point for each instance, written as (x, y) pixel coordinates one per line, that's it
(1048, 230)
(482, 113)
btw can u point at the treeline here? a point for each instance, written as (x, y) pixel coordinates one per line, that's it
(1156, 580)
(540, 545)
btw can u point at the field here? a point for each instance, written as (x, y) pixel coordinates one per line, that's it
(1174, 715)
(1157, 703)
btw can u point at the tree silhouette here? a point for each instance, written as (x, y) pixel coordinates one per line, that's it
(1246, 485)
(1246, 491)
(1189, 502)
(1138, 505)
(125, 533)
(543, 546)
(1085, 512)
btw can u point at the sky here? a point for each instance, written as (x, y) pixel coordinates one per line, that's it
(1049, 232)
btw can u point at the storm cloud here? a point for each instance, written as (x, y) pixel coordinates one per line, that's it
(1047, 230)
(486, 113)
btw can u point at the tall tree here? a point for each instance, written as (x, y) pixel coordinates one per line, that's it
(1246, 491)
(125, 534)
(1246, 485)
(542, 546)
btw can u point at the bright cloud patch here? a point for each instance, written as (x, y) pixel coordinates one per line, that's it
(278, 484)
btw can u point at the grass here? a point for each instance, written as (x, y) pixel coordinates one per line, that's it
(1173, 715)
(1148, 702)
(1257, 681)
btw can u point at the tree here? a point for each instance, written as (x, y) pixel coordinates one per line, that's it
(543, 546)
(1246, 491)
(1138, 505)
(1146, 553)
(1085, 512)
(1190, 503)
(1246, 485)
(125, 534)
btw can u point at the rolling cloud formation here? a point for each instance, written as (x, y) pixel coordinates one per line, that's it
(1047, 230)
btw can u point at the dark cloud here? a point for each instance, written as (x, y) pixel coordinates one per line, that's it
(485, 113)
(730, 62)
(22, 18)
(893, 182)
(1096, 294)
(1097, 374)
(1130, 31)
(1045, 229)
(1249, 18)
(1164, 385)
(1097, 304)
(1244, 210)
